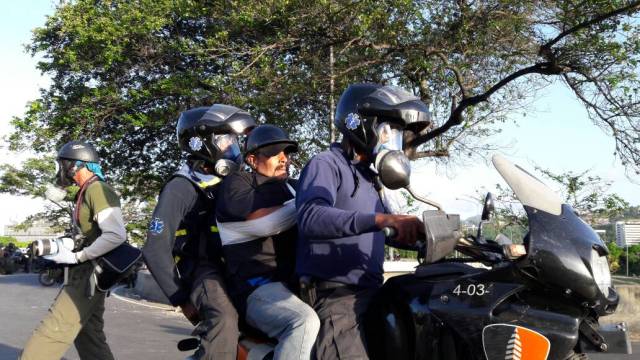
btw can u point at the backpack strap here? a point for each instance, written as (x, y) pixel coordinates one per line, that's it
(76, 211)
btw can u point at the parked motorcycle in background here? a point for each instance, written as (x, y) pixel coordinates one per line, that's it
(50, 273)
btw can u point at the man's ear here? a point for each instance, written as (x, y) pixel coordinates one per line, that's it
(251, 161)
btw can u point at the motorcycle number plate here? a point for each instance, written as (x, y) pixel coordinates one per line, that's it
(513, 342)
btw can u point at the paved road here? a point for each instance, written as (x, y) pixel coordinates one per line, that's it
(133, 331)
(635, 355)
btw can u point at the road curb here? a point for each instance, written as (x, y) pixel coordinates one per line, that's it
(120, 293)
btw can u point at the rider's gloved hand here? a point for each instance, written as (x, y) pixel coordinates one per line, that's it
(408, 227)
(63, 256)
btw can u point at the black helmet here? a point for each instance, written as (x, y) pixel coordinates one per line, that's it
(210, 134)
(68, 155)
(196, 126)
(78, 150)
(362, 107)
(270, 140)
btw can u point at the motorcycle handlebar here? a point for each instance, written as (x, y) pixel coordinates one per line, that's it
(389, 232)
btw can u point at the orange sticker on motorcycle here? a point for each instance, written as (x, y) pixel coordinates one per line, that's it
(512, 342)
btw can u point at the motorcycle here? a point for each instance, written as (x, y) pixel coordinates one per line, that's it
(50, 273)
(541, 299)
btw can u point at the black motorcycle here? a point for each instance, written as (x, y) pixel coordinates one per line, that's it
(49, 273)
(540, 300)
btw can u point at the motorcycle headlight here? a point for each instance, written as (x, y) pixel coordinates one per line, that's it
(601, 273)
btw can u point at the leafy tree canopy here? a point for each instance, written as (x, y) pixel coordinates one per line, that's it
(123, 70)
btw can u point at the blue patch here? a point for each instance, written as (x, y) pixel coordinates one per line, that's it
(156, 226)
(258, 281)
(352, 121)
(195, 143)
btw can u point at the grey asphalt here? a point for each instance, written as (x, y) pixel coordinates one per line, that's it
(133, 331)
(635, 355)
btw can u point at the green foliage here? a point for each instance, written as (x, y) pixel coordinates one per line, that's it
(587, 194)
(618, 259)
(514, 232)
(6, 240)
(614, 257)
(123, 70)
(136, 215)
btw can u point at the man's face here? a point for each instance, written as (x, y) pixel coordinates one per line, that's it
(270, 166)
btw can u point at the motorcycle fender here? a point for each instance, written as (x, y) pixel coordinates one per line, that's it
(505, 341)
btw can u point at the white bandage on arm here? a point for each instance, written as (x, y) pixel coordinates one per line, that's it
(113, 234)
(236, 232)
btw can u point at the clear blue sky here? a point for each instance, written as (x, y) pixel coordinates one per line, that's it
(556, 133)
(20, 83)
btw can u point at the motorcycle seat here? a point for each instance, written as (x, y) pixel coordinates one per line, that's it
(445, 269)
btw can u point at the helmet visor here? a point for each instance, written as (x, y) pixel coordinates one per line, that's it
(389, 137)
(64, 169)
(227, 145)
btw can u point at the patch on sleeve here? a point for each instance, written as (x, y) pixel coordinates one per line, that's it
(156, 226)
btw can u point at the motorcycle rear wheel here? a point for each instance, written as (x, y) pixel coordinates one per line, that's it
(46, 278)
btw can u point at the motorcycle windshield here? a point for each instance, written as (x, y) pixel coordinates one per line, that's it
(562, 249)
(529, 190)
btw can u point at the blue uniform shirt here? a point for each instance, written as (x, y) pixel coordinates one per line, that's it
(338, 239)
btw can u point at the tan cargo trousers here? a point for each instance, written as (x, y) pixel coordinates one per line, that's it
(73, 317)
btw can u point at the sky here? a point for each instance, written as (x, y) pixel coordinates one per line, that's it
(556, 133)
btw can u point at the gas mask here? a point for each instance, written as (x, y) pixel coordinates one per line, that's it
(392, 166)
(230, 156)
(65, 170)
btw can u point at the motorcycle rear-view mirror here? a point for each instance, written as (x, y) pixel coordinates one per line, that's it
(488, 208)
(394, 169)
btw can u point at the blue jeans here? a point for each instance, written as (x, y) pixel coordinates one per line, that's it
(277, 312)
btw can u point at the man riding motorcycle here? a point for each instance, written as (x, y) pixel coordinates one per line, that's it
(341, 213)
(183, 227)
(257, 221)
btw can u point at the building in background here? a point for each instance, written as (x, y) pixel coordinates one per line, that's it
(40, 229)
(628, 233)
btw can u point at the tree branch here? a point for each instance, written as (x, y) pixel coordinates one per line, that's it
(430, 153)
(630, 7)
(455, 70)
(455, 118)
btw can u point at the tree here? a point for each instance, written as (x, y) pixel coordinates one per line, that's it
(122, 71)
(5, 240)
(587, 194)
(615, 252)
(508, 218)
